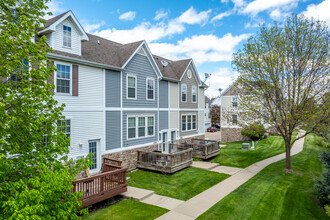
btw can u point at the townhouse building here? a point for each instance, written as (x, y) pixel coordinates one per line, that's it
(121, 98)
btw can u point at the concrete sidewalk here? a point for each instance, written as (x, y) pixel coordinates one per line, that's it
(199, 204)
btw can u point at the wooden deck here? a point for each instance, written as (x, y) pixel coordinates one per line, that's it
(109, 183)
(203, 149)
(165, 163)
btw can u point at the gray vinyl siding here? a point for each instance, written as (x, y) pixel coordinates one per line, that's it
(189, 82)
(112, 88)
(142, 69)
(139, 141)
(163, 90)
(112, 130)
(163, 120)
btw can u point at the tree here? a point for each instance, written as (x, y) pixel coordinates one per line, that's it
(35, 172)
(215, 114)
(284, 70)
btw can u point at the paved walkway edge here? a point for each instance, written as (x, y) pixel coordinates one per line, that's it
(199, 204)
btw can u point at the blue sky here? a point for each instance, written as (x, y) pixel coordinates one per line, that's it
(207, 31)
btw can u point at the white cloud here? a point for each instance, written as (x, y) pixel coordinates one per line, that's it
(192, 17)
(160, 14)
(55, 8)
(202, 48)
(320, 11)
(92, 27)
(128, 16)
(258, 6)
(144, 31)
(221, 78)
(220, 16)
(239, 3)
(153, 32)
(275, 14)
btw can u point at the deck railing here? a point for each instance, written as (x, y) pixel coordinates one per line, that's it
(111, 182)
(203, 148)
(165, 162)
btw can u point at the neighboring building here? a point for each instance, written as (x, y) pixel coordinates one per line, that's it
(230, 128)
(207, 114)
(120, 98)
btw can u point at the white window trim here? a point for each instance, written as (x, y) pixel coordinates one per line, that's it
(232, 122)
(186, 115)
(55, 79)
(232, 102)
(70, 119)
(193, 95)
(63, 37)
(131, 75)
(149, 78)
(137, 126)
(186, 92)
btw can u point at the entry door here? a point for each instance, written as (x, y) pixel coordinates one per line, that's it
(93, 148)
(164, 143)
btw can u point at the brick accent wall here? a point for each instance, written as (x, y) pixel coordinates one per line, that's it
(232, 135)
(129, 157)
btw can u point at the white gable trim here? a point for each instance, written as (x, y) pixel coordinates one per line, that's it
(228, 88)
(194, 70)
(52, 27)
(149, 56)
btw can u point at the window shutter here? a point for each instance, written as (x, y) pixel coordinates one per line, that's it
(75, 85)
(51, 78)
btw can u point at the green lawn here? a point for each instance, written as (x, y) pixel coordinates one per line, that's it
(274, 194)
(182, 185)
(128, 209)
(232, 155)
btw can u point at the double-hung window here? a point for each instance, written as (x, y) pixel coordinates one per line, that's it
(193, 122)
(66, 36)
(63, 78)
(234, 119)
(188, 122)
(140, 126)
(151, 125)
(193, 94)
(183, 93)
(131, 127)
(150, 89)
(234, 102)
(131, 87)
(64, 126)
(16, 79)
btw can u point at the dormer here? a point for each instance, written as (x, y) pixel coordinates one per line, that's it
(64, 33)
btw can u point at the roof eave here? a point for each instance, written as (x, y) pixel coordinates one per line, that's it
(81, 61)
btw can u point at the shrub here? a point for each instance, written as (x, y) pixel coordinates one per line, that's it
(323, 186)
(254, 130)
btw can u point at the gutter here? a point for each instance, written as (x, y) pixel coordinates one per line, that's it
(80, 61)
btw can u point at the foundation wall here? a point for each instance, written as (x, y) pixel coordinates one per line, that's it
(232, 135)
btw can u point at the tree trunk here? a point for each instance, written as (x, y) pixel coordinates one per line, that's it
(288, 156)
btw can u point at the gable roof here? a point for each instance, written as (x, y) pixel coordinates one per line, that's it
(100, 50)
(174, 70)
(50, 25)
(207, 100)
(54, 19)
